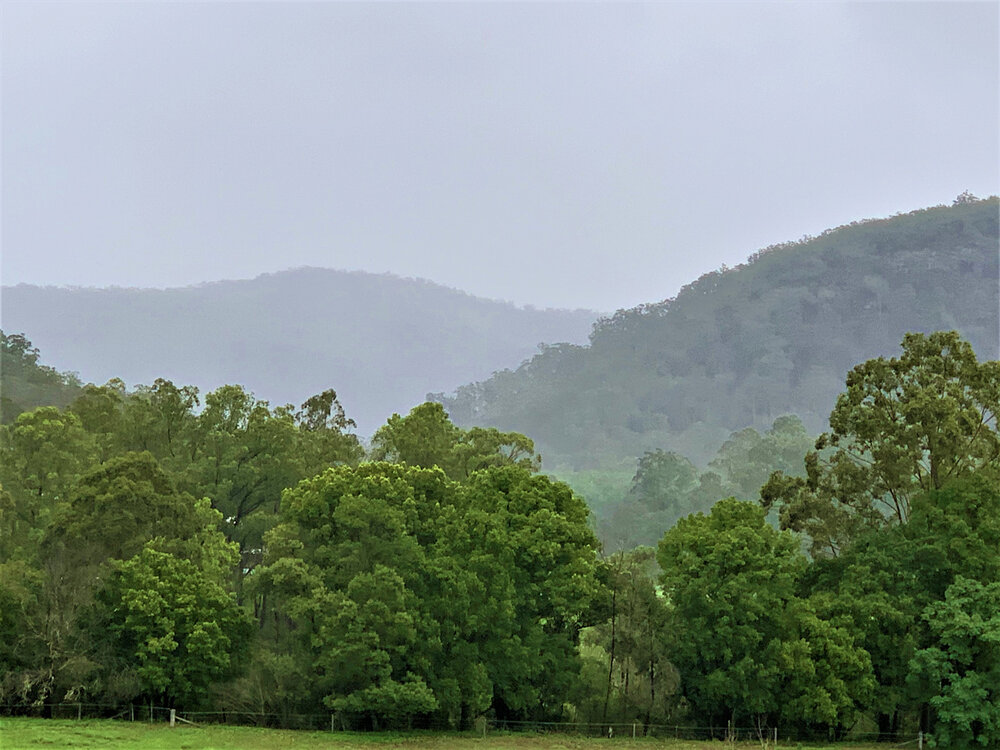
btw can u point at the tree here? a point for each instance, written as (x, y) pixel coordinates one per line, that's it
(174, 621)
(115, 511)
(530, 538)
(324, 439)
(666, 486)
(101, 410)
(25, 384)
(413, 594)
(663, 480)
(962, 667)
(746, 646)
(426, 437)
(118, 507)
(242, 455)
(903, 426)
(886, 579)
(44, 452)
(363, 625)
(637, 681)
(748, 458)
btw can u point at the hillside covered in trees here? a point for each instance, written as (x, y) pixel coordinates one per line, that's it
(382, 341)
(741, 347)
(26, 383)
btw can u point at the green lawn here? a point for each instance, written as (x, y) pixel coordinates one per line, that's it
(18, 733)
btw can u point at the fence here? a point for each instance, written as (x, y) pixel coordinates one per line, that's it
(330, 722)
(774, 735)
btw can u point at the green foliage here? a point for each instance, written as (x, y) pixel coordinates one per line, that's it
(42, 454)
(426, 437)
(175, 621)
(456, 581)
(963, 665)
(668, 486)
(747, 647)
(748, 458)
(238, 451)
(414, 594)
(118, 507)
(886, 579)
(631, 678)
(904, 426)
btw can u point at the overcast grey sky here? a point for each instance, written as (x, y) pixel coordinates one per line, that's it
(575, 155)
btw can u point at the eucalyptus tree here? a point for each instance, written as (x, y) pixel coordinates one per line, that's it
(905, 425)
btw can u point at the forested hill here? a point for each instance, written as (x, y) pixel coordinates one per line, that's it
(381, 341)
(741, 346)
(25, 383)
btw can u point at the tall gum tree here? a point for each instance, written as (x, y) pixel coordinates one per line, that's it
(904, 425)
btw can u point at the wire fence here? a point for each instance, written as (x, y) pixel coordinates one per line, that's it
(775, 736)
(694, 733)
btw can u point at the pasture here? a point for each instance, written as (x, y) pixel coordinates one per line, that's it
(22, 733)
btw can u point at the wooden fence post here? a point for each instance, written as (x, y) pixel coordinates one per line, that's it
(173, 717)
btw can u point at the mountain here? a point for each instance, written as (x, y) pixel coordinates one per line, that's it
(741, 346)
(381, 341)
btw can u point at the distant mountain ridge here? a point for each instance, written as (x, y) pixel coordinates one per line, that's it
(380, 340)
(739, 347)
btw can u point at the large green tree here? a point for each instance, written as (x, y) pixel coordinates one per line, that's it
(748, 648)
(350, 565)
(169, 622)
(415, 595)
(887, 578)
(905, 425)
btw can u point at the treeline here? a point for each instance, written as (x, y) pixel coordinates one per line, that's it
(229, 554)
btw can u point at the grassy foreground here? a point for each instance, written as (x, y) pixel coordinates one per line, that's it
(19, 733)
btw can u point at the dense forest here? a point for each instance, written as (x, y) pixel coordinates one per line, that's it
(288, 335)
(214, 551)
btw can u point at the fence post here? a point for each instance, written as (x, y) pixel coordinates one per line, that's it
(131, 711)
(920, 739)
(633, 730)
(331, 723)
(79, 711)
(173, 717)
(775, 736)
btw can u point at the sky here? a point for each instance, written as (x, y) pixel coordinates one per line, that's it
(593, 155)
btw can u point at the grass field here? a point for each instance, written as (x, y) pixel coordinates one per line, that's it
(18, 733)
